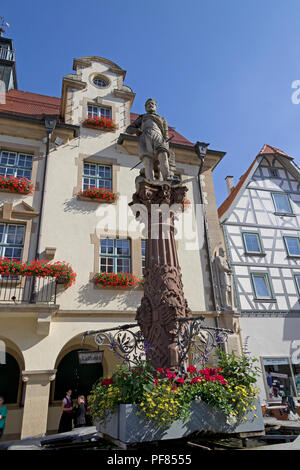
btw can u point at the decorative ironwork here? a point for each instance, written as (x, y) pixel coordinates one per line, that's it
(17, 289)
(197, 341)
(194, 339)
(128, 345)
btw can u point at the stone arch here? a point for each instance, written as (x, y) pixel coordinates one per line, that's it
(66, 357)
(11, 373)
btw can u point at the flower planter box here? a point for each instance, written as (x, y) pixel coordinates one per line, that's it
(128, 427)
(100, 124)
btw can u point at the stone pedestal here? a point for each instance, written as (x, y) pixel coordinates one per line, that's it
(36, 404)
(163, 299)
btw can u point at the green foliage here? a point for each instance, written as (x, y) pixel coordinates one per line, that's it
(240, 370)
(163, 398)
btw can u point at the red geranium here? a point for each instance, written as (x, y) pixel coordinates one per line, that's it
(100, 122)
(15, 185)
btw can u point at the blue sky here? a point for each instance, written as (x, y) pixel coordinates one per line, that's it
(221, 70)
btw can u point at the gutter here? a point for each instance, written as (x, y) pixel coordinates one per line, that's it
(40, 120)
(207, 238)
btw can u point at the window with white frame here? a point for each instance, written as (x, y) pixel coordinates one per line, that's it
(11, 243)
(100, 82)
(15, 164)
(143, 247)
(262, 286)
(100, 111)
(252, 242)
(115, 255)
(282, 203)
(97, 176)
(292, 245)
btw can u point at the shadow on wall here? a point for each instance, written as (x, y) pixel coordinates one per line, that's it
(123, 299)
(82, 207)
(291, 333)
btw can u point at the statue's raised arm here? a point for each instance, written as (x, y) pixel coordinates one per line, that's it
(153, 134)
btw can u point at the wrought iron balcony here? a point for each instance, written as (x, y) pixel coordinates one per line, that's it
(17, 290)
(7, 54)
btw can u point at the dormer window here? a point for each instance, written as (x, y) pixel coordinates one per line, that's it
(100, 82)
(100, 111)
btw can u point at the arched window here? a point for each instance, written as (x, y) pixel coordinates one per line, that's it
(9, 379)
(80, 378)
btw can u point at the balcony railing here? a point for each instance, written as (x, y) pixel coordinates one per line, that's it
(7, 54)
(17, 290)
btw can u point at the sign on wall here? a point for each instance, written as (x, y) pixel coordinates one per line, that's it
(90, 357)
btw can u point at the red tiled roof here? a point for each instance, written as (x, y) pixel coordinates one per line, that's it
(30, 104)
(268, 149)
(178, 138)
(265, 150)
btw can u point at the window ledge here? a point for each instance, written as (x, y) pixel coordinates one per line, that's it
(284, 214)
(98, 201)
(95, 128)
(246, 253)
(120, 288)
(293, 256)
(15, 192)
(274, 301)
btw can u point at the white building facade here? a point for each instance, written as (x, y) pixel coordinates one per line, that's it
(42, 336)
(261, 225)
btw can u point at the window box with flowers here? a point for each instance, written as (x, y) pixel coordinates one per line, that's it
(116, 280)
(62, 271)
(14, 184)
(144, 404)
(97, 195)
(101, 123)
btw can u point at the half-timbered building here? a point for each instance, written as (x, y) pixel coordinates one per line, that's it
(261, 224)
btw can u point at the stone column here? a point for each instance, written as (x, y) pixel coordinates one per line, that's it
(36, 404)
(163, 298)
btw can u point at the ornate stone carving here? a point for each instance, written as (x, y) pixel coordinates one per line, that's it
(154, 152)
(163, 299)
(224, 280)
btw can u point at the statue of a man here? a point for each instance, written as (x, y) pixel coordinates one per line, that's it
(154, 152)
(224, 276)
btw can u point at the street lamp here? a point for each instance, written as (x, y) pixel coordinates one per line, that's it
(201, 150)
(50, 124)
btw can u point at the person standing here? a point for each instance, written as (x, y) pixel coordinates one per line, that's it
(65, 423)
(80, 413)
(3, 413)
(88, 416)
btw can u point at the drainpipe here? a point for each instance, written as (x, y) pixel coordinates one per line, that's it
(201, 150)
(50, 124)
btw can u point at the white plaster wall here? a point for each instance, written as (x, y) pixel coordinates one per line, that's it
(274, 337)
(69, 222)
